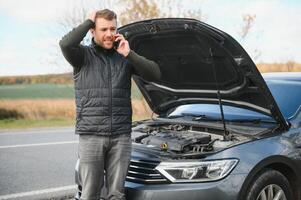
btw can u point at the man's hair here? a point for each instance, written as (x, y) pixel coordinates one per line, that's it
(106, 14)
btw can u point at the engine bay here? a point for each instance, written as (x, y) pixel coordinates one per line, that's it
(183, 140)
(179, 141)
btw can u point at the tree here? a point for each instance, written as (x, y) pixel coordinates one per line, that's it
(136, 10)
(247, 25)
(248, 22)
(290, 64)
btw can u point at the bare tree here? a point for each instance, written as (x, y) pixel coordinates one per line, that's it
(136, 10)
(177, 8)
(290, 64)
(245, 31)
(248, 22)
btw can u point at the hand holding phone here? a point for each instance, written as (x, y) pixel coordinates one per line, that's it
(121, 45)
(116, 44)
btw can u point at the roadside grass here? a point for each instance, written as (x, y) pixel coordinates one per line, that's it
(37, 109)
(31, 113)
(289, 66)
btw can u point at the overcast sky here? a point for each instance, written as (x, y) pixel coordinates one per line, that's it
(29, 33)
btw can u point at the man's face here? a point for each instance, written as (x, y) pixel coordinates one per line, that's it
(104, 32)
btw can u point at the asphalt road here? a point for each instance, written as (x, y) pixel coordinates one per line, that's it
(37, 163)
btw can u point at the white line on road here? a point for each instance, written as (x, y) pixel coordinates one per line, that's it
(38, 144)
(37, 192)
(35, 131)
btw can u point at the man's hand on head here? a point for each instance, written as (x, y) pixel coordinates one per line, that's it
(123, 47)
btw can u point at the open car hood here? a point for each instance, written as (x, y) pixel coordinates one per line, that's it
(196, 60)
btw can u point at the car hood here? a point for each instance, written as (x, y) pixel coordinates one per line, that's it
(196, 60)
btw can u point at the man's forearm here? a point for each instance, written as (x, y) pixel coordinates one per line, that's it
(146, 68)
(70, 44)
(74, 37)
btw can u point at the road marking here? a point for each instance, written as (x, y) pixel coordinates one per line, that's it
(37, 192)
(38, 144)
(35, 131)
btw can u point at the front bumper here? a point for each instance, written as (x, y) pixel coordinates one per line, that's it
(226, 189)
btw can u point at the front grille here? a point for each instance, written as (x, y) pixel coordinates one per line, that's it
(144, 172)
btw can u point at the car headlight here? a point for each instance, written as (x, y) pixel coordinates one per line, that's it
(196, 171)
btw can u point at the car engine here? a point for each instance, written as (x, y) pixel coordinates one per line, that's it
(180, 139)
(177, 141)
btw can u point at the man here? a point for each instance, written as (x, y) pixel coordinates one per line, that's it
(102, 79)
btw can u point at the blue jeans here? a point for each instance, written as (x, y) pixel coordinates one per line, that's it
(104, 153)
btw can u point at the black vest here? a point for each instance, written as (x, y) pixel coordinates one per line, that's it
(103, 93)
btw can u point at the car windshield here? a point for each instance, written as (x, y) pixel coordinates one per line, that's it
(286, 93)
(212, 111)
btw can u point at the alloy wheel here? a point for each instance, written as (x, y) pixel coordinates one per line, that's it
(271, 192)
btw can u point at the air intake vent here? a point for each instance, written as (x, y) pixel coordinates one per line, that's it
(144, 172)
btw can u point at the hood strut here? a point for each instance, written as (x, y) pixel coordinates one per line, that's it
(226, 135)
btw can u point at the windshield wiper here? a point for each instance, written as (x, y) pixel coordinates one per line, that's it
(202, 117)
(193, 115)
(253, 121)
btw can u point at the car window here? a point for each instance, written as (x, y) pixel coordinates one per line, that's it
(287, 95)
(213, 110)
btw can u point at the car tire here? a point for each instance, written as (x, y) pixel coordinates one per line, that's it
(267, 181)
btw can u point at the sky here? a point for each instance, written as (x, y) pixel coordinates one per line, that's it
(30, 33)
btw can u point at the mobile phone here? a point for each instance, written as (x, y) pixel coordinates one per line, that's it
(116, 44)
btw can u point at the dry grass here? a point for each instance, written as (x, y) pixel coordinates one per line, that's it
(289, 66)
(38, 109)
(54, 108)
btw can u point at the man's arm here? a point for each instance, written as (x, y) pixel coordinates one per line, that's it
(148, 69)
(70, 43)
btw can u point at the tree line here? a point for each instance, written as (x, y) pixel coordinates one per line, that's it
(34, 79)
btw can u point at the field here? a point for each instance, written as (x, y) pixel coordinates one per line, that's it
(34, 91)
(44, 91)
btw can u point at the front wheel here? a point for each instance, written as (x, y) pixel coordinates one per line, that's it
(270, 185)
